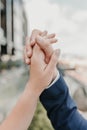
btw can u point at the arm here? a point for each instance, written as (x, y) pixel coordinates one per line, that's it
(61, 109)
(22, 114)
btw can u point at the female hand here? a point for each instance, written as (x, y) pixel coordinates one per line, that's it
(41, 74)
(44, 41)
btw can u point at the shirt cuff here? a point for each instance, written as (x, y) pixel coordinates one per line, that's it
(54, 81)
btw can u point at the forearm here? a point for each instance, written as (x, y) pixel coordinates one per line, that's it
(61, 108)
(22, 114)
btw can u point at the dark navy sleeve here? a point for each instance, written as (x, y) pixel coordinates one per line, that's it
(61, 109)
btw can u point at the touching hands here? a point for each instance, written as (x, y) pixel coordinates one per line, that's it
(41, 74)
(42, 59)
(43, 40)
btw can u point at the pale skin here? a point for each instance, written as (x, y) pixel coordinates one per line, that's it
(44, 41)
(22, 114)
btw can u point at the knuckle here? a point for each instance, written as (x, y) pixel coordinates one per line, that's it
(46, 43)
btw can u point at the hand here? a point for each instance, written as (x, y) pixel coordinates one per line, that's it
(41, 74)
(43, 40)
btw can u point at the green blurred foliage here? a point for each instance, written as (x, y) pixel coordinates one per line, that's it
(40, 120)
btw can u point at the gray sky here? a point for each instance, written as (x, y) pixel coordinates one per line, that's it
(77, 4)
(68, 19)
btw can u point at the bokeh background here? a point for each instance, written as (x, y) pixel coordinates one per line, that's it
(68, 19)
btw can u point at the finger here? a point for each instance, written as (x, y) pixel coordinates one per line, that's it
(51, 35)
(29, 50)
(38, 54)
(53, 62)
(36, 49)
(25, 56)
(28, 47)
(44, 44)
(34, 34)
(44, 33)
(53, 40)
(26, 59)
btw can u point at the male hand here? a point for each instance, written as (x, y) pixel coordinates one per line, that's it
(41, 74)
(43, 40)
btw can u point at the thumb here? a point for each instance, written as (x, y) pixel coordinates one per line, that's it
(41, 42)
(36, 50)
(44, 44)
(53, 62)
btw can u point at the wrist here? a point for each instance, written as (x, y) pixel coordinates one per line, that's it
(55, 74)
(54, 80)
(31, 89)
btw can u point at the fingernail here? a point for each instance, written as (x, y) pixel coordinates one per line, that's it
(27, 61)
(32, 41)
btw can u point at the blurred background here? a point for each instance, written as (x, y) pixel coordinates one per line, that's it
(68, 19)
